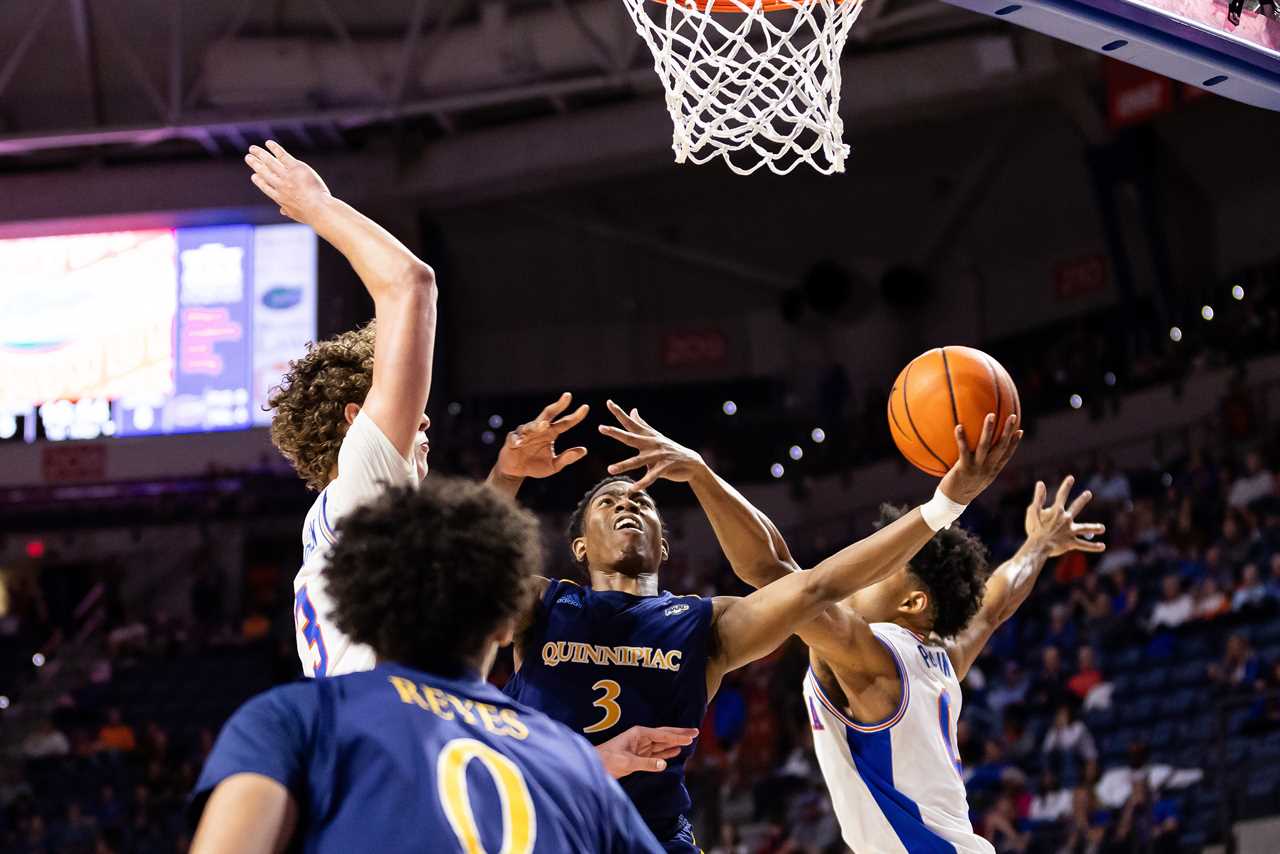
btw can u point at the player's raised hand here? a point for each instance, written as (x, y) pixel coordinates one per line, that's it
(530, 449)
(977, 467)
(660, 456)
(643, 748)
(1055, 527)
(287, 181)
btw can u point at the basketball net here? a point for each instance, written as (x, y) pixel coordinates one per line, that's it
(755, 82)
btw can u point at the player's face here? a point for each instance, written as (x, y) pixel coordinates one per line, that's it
(622, 532)
(888, 599)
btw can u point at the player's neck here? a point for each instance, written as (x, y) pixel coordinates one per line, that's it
(918, 629)
(644, 584)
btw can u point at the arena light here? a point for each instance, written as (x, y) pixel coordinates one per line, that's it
(495, 421)
(35, 549)
(729, 408)
(4, 702)
(1206, 312)
(8, 426)
(777, 470)
(1166, 480)
(1237, 292)
(1076, 401)
(1109, 378)
(38, 659)
(795, 452)
(1175, 334)
(488, 437)
(455, 408)
(818, 435)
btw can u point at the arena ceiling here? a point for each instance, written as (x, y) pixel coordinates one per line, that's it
(125, 80)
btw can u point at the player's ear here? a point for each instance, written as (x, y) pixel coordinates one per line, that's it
(579, 549)
(666, 552)
(915, 602)
(350, 411)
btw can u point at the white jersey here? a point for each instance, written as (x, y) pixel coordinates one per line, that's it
(367, 464)
(896, 785)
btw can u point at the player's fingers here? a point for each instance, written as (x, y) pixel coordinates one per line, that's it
(1091, 529)
(1088, 545)
(1037, 501)
(635, 414)
(650, 478)
(268, 160)
(667, 752)
(632, 463)
(551, 410)
(1082, 500)
(983, 450)
(624, 437)
(573, 419)
(672, 734)
(567, 458)
(1064, 489)
(623, 418)
(279, 151)
(1014, 441)
(266, 188)
(962, 446)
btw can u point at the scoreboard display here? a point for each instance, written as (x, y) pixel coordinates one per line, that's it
(146, 332)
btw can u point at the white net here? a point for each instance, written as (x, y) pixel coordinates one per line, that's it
(754, 82)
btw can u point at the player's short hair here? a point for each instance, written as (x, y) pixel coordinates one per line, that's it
(952, 568)
(574, 528)
(426, 574)
(307, 420)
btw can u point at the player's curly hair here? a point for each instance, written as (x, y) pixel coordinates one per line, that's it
(952, 568)
(574, 529)
(425, 574)
(307, 421)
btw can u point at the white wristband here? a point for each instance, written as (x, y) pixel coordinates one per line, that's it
(941, 511)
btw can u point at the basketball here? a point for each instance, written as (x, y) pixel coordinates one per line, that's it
(939, 389)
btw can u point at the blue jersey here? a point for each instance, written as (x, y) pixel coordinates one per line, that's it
(600, 661)
(396, 760)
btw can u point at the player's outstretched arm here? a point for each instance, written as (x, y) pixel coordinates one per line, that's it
(530, 449)
(402, 286)
(751, 627)
(643, 748)
(746, 536)
(1051, 531)
(246, 814)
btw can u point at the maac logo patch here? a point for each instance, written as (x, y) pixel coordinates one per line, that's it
(676, 609)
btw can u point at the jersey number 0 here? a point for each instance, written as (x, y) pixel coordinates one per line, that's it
(519, 823)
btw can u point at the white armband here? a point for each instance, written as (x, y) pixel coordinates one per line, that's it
(941, 511)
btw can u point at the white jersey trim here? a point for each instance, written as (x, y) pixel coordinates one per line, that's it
(888, 722)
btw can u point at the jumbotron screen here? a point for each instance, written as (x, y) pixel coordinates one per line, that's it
(146, 332)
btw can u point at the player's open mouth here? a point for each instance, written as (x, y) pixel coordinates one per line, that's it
(628, 523)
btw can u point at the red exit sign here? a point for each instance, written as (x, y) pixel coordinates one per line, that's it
(694, 348)
(1080, 277)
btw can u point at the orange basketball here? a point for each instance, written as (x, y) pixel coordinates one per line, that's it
(940, 389)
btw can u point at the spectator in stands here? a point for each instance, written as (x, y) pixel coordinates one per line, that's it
(1088, 824)
(1146, 824)
(1049, 687)
(76, 832)
(1239, 667)
(1019, 739)
(36, 839)
(110, 811)
(1257, 481)
(1211, 602)
(116, 734)
(1052, 801)
(1069, 749)
(729, 842)
(1087, 673)
(1237, 542)
(46, 741)
(1002, 827)
(1013, 688)
(1174, 608)
(1273, 583)
(1252, 594)
(1061, 631)
(1109, 485)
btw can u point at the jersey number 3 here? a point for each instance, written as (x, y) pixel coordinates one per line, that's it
(608, 702)
(519, 823)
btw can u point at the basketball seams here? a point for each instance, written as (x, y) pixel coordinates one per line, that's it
(904, 442)
(995, 382)
(951, 391)
(906, 408)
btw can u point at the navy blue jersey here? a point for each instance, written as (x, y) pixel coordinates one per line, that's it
(600, 661)
(395, 760)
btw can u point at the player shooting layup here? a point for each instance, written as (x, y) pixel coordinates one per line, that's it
(620, 652)
(883, 690)
(349, 416)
